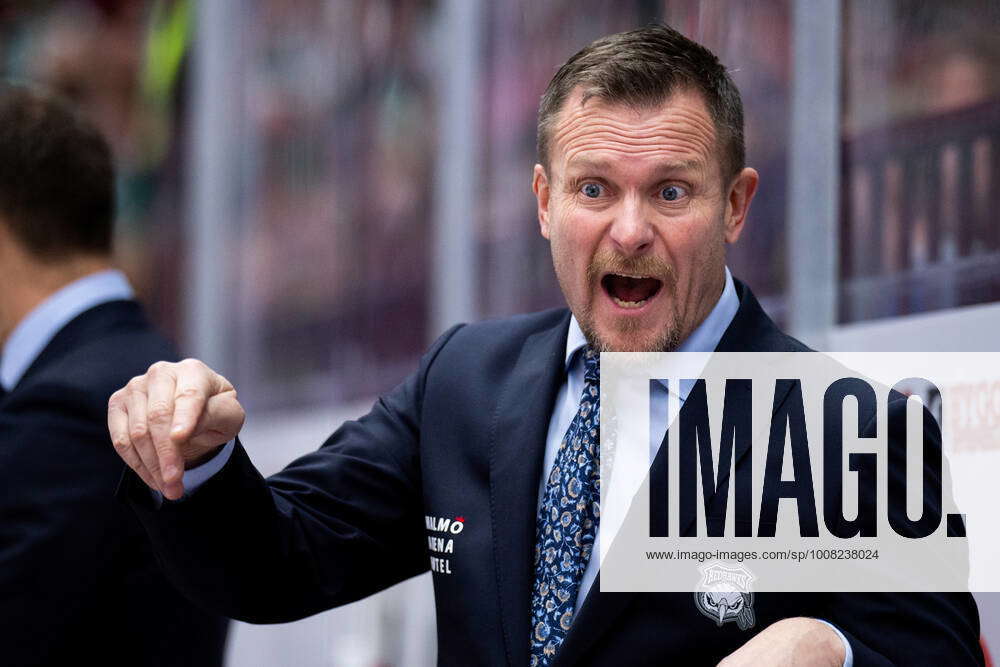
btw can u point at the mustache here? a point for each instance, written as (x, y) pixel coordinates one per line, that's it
(607, 261)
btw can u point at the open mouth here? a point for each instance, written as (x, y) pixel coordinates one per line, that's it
(630, 291)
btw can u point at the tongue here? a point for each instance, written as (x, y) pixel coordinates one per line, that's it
(631, 289)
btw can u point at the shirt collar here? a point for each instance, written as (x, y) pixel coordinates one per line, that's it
(40, 326)
(705, 338)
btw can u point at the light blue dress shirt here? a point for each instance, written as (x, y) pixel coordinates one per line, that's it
(39, 327)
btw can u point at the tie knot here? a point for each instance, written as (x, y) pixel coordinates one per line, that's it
(591, 365)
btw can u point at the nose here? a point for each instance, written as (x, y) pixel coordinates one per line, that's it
(631, 231)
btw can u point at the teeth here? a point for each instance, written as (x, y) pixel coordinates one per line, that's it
(625, 275)
(628, 304)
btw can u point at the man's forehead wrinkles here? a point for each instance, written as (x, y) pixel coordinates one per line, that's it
(658, 166)
(662, 135)
(601, 158)
(693, 139)
(673, 149)
(678, 133)
(649, 129)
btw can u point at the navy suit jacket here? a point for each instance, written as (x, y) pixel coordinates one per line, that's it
(461, 441)
(78, 580)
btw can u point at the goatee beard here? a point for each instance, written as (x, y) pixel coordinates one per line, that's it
(627, 329)
(667, 341)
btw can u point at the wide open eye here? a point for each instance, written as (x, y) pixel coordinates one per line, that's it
(591, 190)
(673, 193)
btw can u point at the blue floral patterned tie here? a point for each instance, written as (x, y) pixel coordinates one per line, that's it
(567, 522)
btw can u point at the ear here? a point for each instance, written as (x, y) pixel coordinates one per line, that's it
(741, 193)
(540, 186)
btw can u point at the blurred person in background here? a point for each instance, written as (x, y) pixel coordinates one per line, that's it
(464, 468)
(122, 65)
(78, 580)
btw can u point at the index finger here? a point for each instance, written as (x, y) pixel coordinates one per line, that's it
(160, 391)
(191, 394)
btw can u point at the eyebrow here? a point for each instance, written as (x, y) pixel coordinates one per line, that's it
(586, 165)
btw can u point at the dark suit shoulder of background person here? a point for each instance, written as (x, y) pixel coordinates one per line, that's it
(77, 578)
(75, 563)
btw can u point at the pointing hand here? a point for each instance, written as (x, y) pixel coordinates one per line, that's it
(172, 418)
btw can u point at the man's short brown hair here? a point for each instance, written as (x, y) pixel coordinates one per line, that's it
(56, 176)
(642, 68)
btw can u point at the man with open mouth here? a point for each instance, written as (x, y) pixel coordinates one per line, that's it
(482, 466)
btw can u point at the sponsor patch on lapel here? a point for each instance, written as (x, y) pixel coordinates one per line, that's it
(441, 532)
(725, 594)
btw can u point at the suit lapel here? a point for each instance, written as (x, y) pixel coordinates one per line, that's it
(517, 447)
(752, 331)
